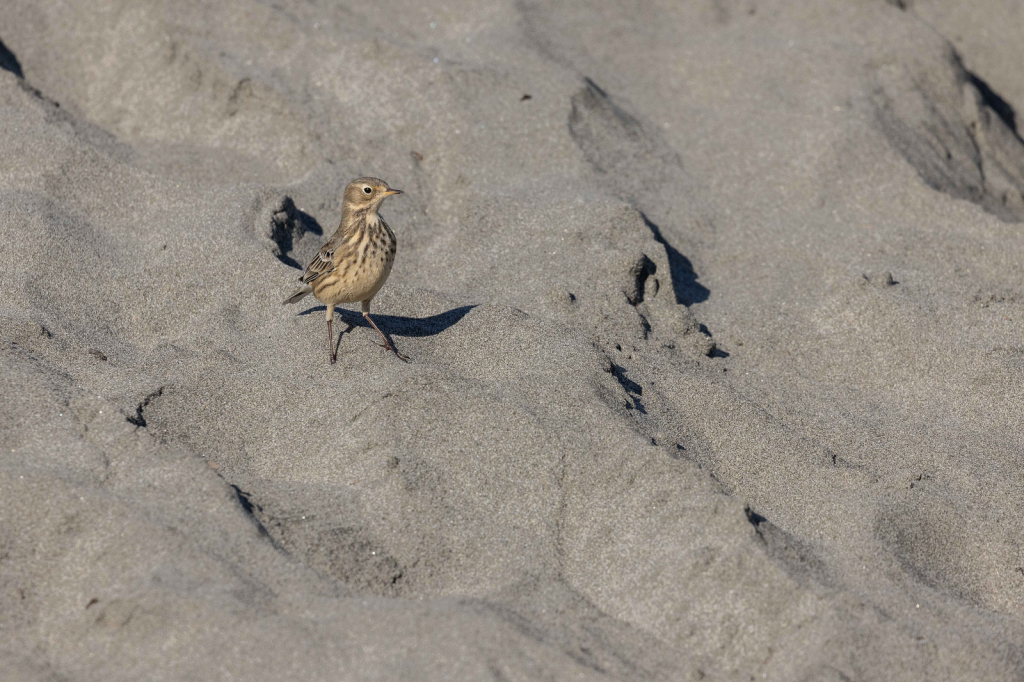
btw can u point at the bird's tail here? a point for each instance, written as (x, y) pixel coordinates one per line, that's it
(298, 295)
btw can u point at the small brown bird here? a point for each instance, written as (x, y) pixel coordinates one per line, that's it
(356, 261)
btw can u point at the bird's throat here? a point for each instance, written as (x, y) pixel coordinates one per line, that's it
(362, 216)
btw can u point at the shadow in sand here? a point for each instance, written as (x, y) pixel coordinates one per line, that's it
(8, 62)
(684, 280)
(396, 324)
(996, 103)
(289, 224)
(634, 389)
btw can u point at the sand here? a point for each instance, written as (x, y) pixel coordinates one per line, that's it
(714, 312)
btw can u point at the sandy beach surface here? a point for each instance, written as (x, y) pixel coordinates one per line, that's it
(715, 313)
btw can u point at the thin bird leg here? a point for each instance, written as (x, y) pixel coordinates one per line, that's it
(387, 344)
(330, 334)
(330, 342)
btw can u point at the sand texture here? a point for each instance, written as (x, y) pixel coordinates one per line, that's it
(714, 311)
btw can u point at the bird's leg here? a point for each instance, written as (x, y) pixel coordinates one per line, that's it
(387, 344)
(330, 334)
(330, 343)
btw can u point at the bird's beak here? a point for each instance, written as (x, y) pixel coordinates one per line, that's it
(393, 191)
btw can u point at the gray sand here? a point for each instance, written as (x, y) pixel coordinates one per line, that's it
(716, 342)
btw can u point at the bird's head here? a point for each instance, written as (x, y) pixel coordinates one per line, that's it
(367, 193)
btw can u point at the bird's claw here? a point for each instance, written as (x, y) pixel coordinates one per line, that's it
(388, 346)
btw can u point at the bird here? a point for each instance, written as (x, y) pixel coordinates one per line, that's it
(354, 263)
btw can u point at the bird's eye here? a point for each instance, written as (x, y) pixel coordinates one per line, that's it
(367, 190)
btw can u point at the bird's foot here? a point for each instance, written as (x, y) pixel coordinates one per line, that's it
(388, 346)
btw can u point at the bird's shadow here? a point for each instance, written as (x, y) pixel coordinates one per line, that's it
(398, 325)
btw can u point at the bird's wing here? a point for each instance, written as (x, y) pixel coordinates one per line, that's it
(321, 264)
